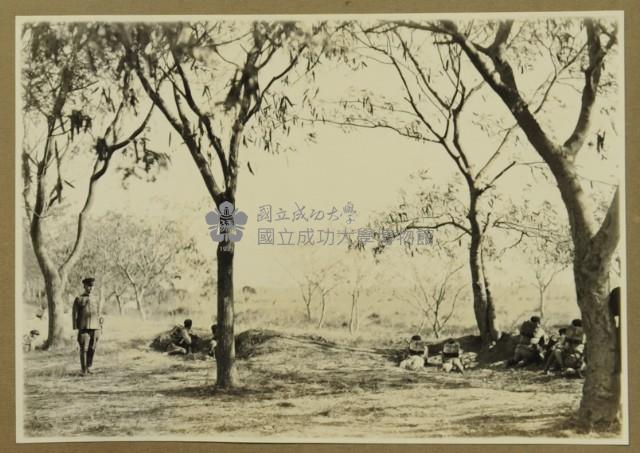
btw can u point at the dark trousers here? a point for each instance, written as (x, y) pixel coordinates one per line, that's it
(88, 340)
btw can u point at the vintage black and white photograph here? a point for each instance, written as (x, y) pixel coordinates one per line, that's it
(401, 228)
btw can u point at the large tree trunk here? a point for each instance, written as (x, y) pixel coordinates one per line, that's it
(54, 288)
(54, 282)
(600, 404)
(54, 285)
(492, 319)
(593, 252)
(227, 376)
(483, 305)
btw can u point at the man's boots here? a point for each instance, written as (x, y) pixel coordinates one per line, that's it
(90, 359)
(83, 361)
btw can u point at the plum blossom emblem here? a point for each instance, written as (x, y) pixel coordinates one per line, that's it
(226, 223)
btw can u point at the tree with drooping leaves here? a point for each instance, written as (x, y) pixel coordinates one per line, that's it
(71, 89)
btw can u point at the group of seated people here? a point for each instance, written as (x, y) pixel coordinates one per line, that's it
(563, 352)
(183, 340)
(419, 353)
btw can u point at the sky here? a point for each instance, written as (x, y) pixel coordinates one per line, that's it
(367, 168)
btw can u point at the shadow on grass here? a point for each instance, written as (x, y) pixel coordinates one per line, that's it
(249, 392)
(550, 425)
(268, 385)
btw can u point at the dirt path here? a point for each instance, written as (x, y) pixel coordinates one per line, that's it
(290, 388)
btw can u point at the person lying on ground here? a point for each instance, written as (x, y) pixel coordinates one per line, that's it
(451, 356)
(417, 354)
(530, 347)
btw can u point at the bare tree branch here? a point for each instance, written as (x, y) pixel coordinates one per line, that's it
(592, 78)
(498, 176)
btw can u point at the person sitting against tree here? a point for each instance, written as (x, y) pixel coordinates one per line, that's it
(530, 347)
(451, 356)
(572, 356)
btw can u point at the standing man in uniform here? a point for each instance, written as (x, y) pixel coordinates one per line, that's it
(88, 322)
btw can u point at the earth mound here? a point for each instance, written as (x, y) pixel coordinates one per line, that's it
(249, 343)
(254, 342)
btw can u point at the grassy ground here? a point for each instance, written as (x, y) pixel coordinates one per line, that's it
(291, 387)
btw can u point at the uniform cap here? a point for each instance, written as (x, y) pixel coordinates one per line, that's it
(88, 281)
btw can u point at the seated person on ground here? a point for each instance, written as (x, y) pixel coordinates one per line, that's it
(451, 354)
(554, 350)
(418, 353)
(27, 340)
(181, 339)
(572, 354)
(530, 347)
